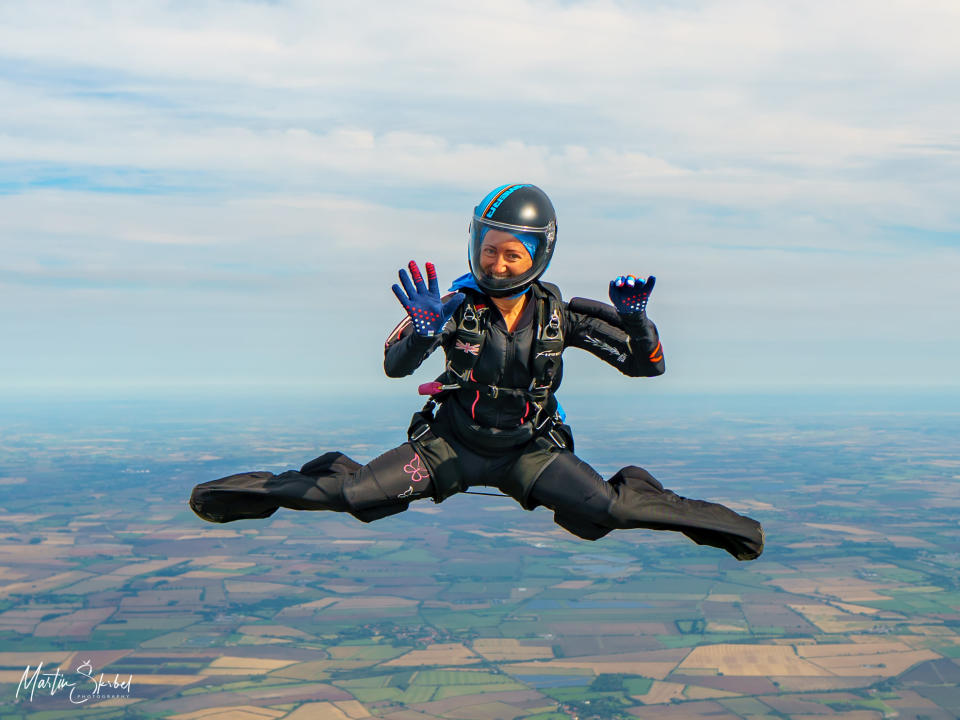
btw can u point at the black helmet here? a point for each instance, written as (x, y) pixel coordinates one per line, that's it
(525, 212)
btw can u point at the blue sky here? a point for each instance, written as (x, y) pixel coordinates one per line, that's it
(220, 193)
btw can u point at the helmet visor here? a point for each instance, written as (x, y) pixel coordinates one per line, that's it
(508, 258)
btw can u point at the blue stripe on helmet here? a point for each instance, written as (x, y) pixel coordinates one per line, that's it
(488, 198)
(495, 205)
(488, 206)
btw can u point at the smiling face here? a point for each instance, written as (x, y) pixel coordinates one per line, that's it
(503, 256)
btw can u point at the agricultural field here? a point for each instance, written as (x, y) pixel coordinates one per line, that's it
(475, 608)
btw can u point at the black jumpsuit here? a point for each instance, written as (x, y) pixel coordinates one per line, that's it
(479, 440)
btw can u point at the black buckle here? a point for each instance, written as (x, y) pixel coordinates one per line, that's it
(538, 393)
(540, 424)
(470, 322)
(423, 431)
(557, 440)
(463, 378)
(552, 330)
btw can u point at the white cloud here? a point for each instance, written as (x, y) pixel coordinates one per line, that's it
(740, 103)
(740, 150)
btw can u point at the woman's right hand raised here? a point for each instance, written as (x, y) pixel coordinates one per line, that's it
(427, 310)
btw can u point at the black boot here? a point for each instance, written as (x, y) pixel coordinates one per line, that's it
(254, 495)
(236, 497)
(643, 502)
(740, 546)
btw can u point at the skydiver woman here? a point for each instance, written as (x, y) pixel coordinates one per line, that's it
(492, 418)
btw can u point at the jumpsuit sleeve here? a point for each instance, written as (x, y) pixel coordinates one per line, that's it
(405, 350)
(634, 351)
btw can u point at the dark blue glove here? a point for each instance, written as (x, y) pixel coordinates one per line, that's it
(630, 294)
(426, 309)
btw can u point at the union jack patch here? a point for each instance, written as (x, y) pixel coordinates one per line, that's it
(467, 347)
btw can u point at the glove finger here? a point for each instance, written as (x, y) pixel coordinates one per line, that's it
(631, 281)
(648, 287)
(401, 296)
(451, 305)
(417, 277)
(619, 281)
(407, 285)
(434, 286)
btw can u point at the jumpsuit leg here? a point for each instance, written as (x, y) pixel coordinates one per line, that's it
(586, 505)
(384, 486)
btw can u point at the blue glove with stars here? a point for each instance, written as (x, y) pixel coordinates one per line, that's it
(630, 294)
(423, 304)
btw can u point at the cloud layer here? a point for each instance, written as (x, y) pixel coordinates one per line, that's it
(182, 179)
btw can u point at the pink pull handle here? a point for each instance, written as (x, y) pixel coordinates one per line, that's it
(430, 388)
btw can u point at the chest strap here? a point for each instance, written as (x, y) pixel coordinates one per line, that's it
(545, 357)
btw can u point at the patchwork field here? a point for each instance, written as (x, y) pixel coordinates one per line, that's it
(477, 610)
